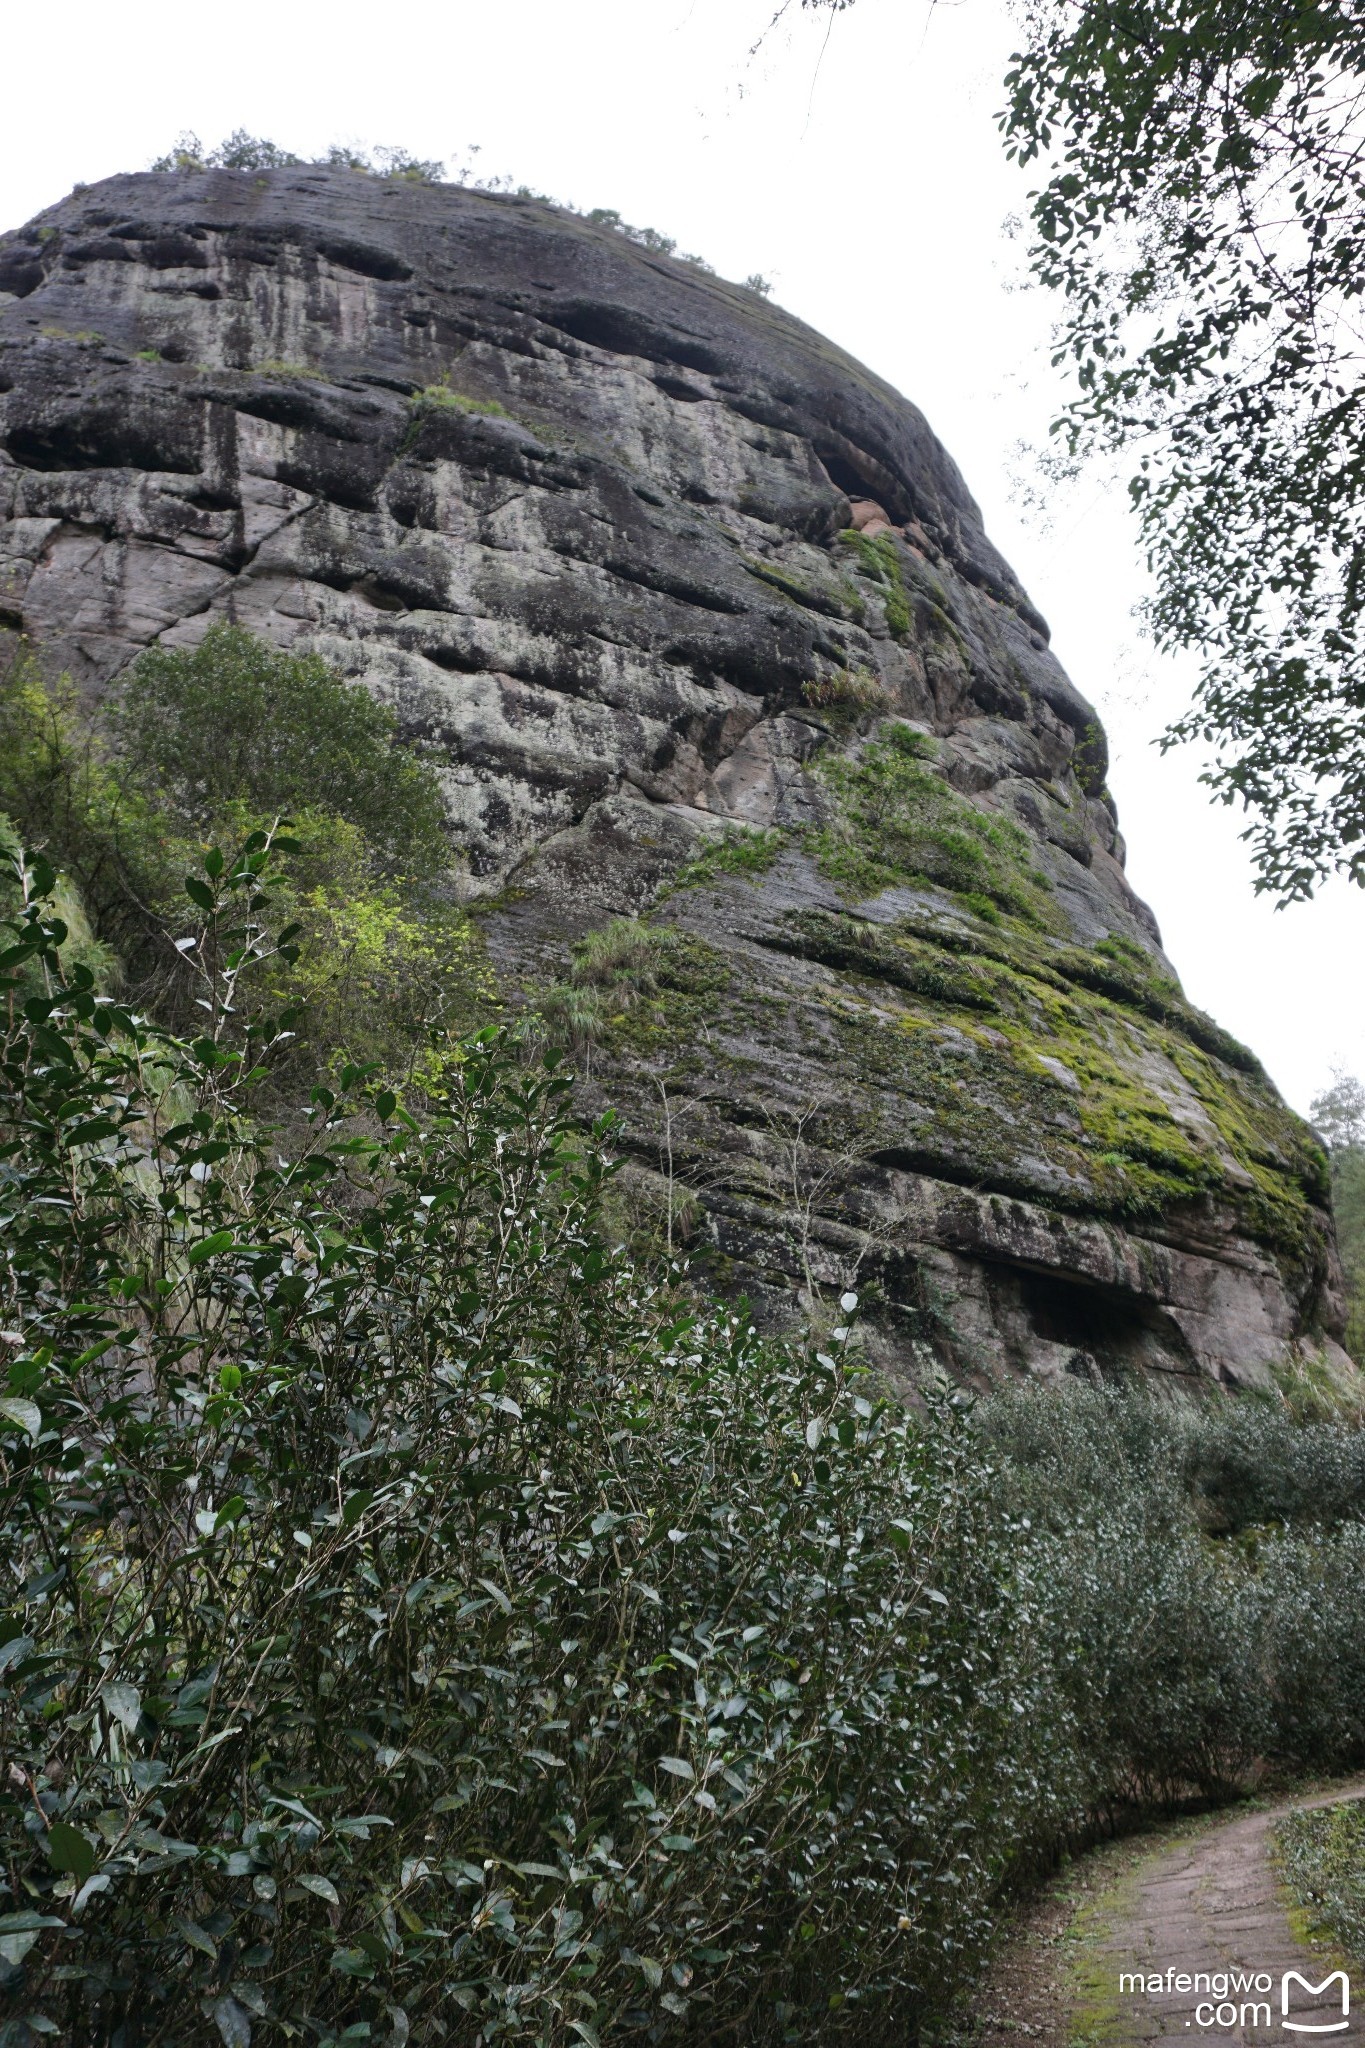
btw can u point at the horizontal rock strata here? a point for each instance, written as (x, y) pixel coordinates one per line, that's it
(705, 627)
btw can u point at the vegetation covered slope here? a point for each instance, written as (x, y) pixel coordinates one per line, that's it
(421, 1625)
(219, 742)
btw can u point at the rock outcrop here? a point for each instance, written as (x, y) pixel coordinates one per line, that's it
(724, 670)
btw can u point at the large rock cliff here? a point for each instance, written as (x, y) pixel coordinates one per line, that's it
(706, 628)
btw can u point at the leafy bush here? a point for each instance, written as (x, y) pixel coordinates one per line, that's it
(1321, 1854)
(242, 152)
(420, 1625)
(1339, 1113)
(237, 721)
(218, 742)
(645, 238)
(1181, 1654)
(1225, 1467)
(417, 1623)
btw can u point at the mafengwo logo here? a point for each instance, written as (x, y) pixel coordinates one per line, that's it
(1338, 2011)
(1244, 1998)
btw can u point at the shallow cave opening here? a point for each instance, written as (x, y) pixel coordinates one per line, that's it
(1119, 1332)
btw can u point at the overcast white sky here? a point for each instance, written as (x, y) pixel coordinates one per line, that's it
(854, 162)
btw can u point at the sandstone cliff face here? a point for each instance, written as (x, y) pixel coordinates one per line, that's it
(706, 627)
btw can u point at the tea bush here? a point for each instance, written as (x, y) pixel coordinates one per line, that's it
(1201, 1597)
(1321, 1854)
(420, 1625)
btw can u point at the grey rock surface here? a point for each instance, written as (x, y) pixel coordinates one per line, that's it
(642, 556)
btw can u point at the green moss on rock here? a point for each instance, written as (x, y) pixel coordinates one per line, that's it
(900, 821)
(993, 1063)
(880, 563)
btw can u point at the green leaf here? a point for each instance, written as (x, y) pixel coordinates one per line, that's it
(70, 1850)
(194, 1936)
(199, 892)
(19, 1931)
(14, 1650)
(210, 1247)
(124, 1703)
(233, 2023)
(25, 1415)
(321, 1888)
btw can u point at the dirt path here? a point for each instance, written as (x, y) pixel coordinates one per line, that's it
(1198, 1902)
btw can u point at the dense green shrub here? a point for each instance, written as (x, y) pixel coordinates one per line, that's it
(1339, 1114)
(419, 1625)
(234, 720)
(1228, 1466)
(243, 152)
(216, 742)
(1321, 1854)
(1201, 1594)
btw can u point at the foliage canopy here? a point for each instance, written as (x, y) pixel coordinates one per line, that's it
(1202, 217)
(1339, 1113)
(219, 741)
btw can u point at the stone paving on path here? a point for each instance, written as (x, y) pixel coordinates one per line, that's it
(1207, 1908)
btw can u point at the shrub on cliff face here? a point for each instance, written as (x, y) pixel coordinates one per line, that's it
(217, 742)
(243, 152)
(234, 720)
